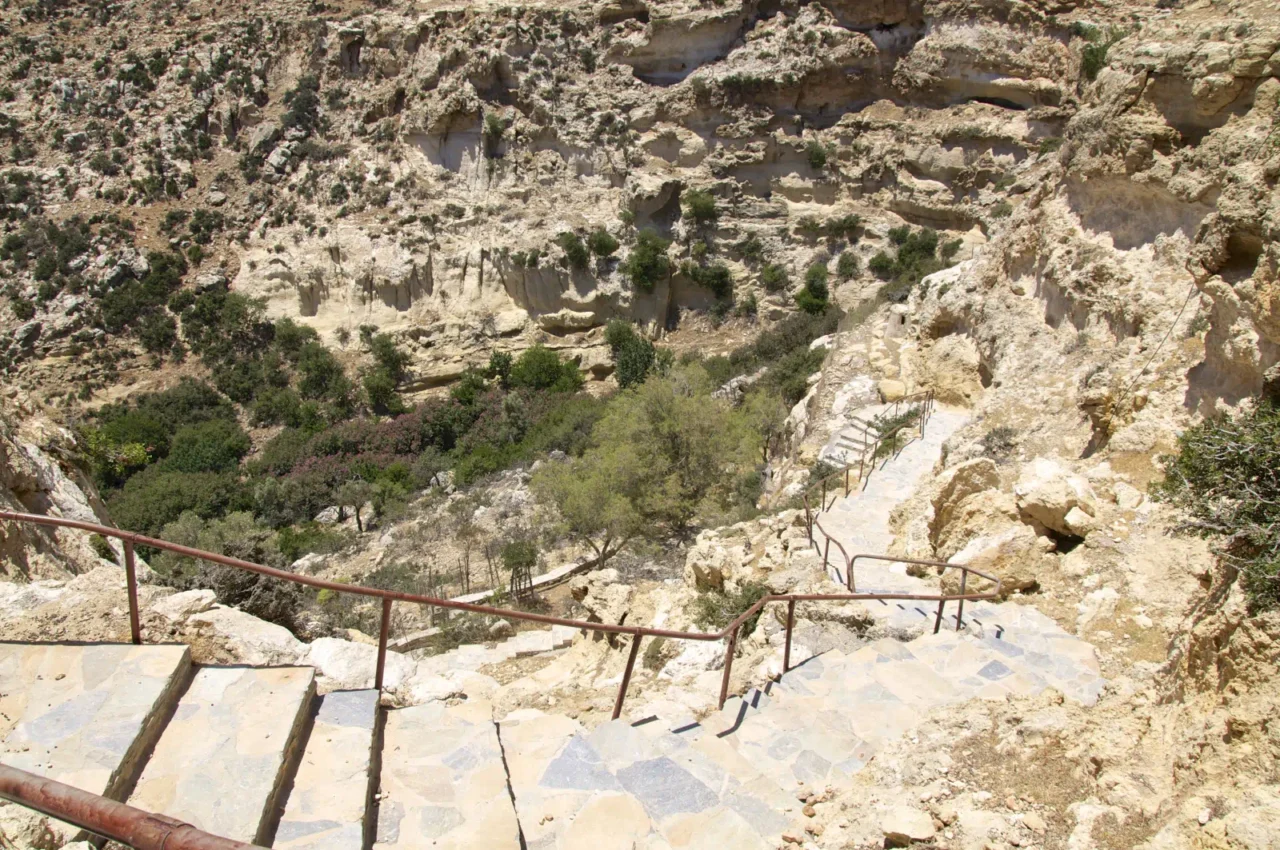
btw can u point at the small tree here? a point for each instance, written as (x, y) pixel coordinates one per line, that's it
(356, 493)
(574, 249)
(597, 497)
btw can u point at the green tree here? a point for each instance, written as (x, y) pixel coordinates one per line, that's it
(355, 494)
(575, 251)
(213, 446)
(602, 243)
(598, 497)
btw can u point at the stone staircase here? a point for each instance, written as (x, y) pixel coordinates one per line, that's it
(254, 753)
(856, 437)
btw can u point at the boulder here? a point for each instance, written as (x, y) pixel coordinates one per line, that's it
(1046, 493)
(904, 825)
(249, 639)
(708, 564)
(1012, 555)
(181, 606)
(891, 390)
(695, 657)
(331, 515)
(346, 666)
(501, 630)
(606, 599)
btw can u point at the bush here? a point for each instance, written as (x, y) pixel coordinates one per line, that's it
(1002, 210)
(847, 265)
(816, 153)
(1226, 476)
(602, 243)
(716, 610)
(213, 446)
(575, 251)
(843, 227)
(716, 278)
(881, 265)
(156, 497)
(774, 277)
(540, 368)
(814, 297)
(999, 443)
(699, 206)
(633, 355)
(647, 263)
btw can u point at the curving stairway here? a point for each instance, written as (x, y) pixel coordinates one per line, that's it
(254, 754)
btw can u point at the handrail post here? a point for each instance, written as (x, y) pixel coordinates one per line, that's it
(846, 481)
(382, 644)
(937, 623)
(826, 549)
(964, 579)
(728, 665)
(626, 675)
(791, 621)
(131, 579)
(824, 492)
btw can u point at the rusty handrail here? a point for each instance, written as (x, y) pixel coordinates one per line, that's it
(924, 399)
(730, 631)
(107, 818)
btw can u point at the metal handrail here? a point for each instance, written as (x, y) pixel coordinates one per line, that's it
(924, 398)
(131, 539)
(108, 818)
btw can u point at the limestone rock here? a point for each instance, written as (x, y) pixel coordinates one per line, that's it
(343, 665)
(891, 390)
(1047, 492)
(249, 639)
(181, 606)
(904, 825)
(605, 598)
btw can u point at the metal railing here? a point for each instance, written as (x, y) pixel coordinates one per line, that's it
(105, 817)
(871, 451)
(638, 633)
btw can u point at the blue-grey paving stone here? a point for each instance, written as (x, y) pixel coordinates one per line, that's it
(994, 671)
(664, 788)
(578, 768)
(756, 699)
(783, 747)
(760, 815)
(873, 692)
(290, 830)
(66, 719)
(435, 821)
(618, 742)
(1005, 648)
(811, 669)
(810, 767)
(349, 708)
(463, 760)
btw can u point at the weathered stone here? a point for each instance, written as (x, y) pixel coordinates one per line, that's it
(904, 825)
(1047, 492)
(182, 605)
(249, 639)
(891, 390)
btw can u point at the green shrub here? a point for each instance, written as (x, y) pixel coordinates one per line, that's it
(717, 609)
(575, 251)
(774, 277)
(716, 278)
(816, 153)
(847, 265)
(699, 206)
(213, 446)
(751, 248)
(1048, 144)
(155, 497)
(519, 554)
(647, 263)
(843, 227)
(602, 243)
(540, 368)
(1226, 476)
(633, 355)
(815, 296)
(1002, 210)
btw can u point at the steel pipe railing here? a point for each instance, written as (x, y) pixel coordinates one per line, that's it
(387, 597)
(107, 818)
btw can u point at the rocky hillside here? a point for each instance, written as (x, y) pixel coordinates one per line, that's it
(1061, 218)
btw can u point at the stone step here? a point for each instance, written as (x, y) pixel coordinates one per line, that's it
(224, 759)
(331, 796)
(624, 786)
(86, 715)
(443, 783)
